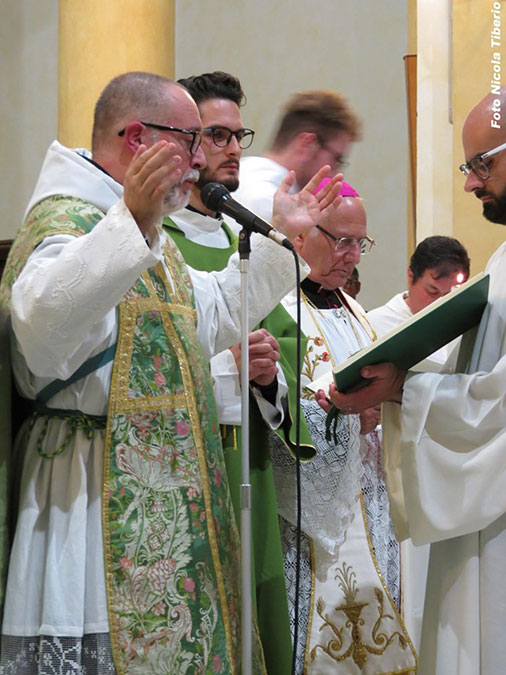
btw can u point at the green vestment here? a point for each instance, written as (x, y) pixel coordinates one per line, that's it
(170, 541)
(270, 601)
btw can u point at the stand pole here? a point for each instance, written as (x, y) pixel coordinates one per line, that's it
(245, 489)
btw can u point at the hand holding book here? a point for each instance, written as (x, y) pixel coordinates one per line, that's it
(385, 384)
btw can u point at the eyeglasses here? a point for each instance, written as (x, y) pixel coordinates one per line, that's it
(196, 136)
(222, 136)
(343, 244)
(339, 161)
(476, 164)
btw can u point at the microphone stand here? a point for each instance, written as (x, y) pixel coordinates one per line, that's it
(245, 488)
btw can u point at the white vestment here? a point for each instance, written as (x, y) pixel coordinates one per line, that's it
(64, 310)
(343, 526)
(207, 231)
(414, 559)
(446, 481)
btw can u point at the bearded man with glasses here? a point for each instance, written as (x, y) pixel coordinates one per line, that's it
(126, 555)
(447, 471)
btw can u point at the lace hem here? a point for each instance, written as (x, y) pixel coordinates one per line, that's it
(330, 481)
(289, 543)
(48, 655)
(377, 510)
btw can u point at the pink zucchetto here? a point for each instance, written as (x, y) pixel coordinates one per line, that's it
(346, 190)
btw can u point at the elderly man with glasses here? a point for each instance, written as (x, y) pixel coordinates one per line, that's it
(351, 574)
(126, 553)
(448, 472)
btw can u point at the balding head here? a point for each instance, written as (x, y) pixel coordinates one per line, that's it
(135, 95)
(138, 109)
(332, 265)
(485, 130)
(486, 123)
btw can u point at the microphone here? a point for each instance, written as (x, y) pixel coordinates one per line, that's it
(216, 197)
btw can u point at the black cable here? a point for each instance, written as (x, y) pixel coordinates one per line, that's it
(297, 470)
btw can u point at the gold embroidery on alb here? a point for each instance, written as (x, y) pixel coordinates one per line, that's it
(345, 624)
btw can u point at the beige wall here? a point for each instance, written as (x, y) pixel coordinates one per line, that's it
(352, 47)
(454, 72)
(472, 72)
(29, 102)
(278, 48)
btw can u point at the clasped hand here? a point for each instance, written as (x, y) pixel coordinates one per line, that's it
(263, 351)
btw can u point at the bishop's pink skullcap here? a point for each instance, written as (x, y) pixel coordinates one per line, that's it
(346, 190)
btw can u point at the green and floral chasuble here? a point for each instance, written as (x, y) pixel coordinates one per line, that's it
(170, 539)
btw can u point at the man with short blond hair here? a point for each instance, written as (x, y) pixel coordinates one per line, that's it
(317, 127)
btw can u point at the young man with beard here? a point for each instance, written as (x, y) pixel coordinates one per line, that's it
(446, 475)
(206, 242)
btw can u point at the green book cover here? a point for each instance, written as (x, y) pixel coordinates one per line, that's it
(417, 337)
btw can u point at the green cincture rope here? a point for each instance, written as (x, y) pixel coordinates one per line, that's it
(75, 419)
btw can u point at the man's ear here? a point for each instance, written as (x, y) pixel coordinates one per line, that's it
(299, 243)
(133, 135)
(410, 277)
(306, 140)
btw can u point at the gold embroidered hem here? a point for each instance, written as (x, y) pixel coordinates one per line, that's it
(355, 626)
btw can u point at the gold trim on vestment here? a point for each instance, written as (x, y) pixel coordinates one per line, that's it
(387, 593)
(143, 304)
(118, 397)
(311, 605)
(106, 534)
(199, 446)
(153, 403)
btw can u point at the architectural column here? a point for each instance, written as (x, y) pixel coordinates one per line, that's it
(101, 39)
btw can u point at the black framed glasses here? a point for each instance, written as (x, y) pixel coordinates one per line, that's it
(221, 136)
(194, 143)
(344, 244)
(478, 165)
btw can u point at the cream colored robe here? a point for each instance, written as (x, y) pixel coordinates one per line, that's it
(447, 482)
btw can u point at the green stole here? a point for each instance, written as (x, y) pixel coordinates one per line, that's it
(268, 573)
(170, 539)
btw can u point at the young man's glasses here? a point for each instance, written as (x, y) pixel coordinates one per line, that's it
(194, 143)
(221, 136)
(343, 244)
(478, 165)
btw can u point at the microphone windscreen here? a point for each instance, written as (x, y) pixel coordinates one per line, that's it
(212, 195)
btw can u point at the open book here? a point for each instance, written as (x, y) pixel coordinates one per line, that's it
(417, 337)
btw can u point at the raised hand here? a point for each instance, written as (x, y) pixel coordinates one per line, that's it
(151, 174)
(263, 356)
(294, 214)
